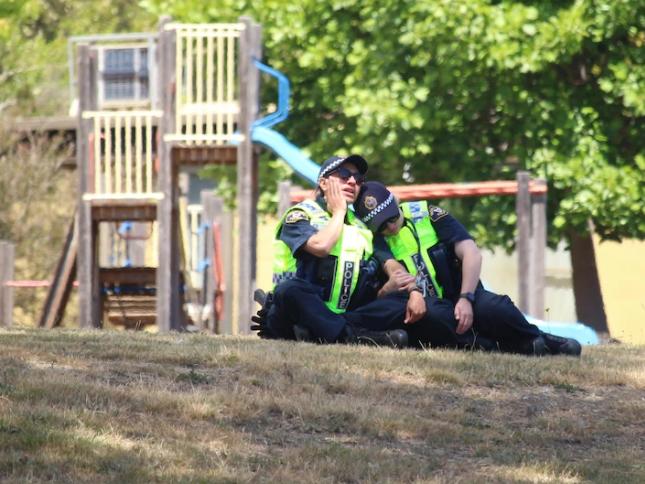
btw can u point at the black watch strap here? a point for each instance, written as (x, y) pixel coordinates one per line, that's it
(470, 296)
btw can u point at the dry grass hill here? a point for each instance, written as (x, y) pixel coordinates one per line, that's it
(134, 407)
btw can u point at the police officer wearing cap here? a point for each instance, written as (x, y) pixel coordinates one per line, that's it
(437, 249)
(325, 270)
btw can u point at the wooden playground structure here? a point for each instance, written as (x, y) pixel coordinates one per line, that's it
(208, 91)
(129, 159)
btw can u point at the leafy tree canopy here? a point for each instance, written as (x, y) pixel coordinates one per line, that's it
(433, 91)
(440, 90)
(33, 47)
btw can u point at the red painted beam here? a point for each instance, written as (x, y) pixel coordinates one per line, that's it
(31, 283)
(447, 190)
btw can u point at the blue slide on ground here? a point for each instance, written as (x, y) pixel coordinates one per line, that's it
(308, 169)
(583, 333)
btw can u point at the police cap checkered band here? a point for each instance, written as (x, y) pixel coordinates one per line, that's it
(375, 205)
(334, 162)
(379, 208)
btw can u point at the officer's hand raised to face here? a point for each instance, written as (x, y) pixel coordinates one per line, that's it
(334, 196)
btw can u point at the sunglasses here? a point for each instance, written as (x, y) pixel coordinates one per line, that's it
(344, 174)
(389, 221)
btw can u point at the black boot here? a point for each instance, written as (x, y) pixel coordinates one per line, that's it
(394, 338)
(260, 296)
(557, 345)
(302, 333)
(534, 347)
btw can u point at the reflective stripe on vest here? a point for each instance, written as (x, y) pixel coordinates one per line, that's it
(414, 255)
(354, 245)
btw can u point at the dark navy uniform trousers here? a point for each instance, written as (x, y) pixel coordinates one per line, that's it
(300, 302)
(495, 317)
(297, 301)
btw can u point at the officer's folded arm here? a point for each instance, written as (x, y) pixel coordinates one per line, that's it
(321, 243)
(416, 308)
(399, 279)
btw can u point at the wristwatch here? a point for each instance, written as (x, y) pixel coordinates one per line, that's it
(469, 296)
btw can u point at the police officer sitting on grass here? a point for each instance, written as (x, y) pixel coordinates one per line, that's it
(437, 249)
(325, 271)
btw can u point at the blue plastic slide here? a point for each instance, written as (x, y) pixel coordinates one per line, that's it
(286, 150)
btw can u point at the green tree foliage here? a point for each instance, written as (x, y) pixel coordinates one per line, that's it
(33, 47)
(446, 90)
(430, 91)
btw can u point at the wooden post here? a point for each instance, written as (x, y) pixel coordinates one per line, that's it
(537, 253)
(209, 204)
(169, 310)
(7, 252)
(523, 210)
(284, 197)
(214, 211)
(89, 296)
(226, 229)
(250, 48)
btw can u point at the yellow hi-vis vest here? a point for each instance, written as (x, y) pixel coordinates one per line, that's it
(411, 249)
(353, 246)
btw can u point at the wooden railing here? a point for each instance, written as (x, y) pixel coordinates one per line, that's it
(195, 244)
(207, 101)
(122, 153)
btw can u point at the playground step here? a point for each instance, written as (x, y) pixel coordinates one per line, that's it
(129, 296)
(131, 311)
(124, 208)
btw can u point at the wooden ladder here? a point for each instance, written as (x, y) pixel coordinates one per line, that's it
(61, 286)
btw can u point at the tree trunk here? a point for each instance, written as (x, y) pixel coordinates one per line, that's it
(590, 307)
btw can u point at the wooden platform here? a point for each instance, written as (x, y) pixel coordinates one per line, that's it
(46, 123)
(124, 209)
(204, 155)
(143, 276)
